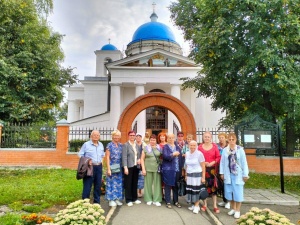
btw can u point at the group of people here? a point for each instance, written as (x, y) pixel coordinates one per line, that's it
(157, 163)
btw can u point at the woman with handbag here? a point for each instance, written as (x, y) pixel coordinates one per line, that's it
(171, 170)
(235, 172)
(114, 178)
(212, 159)
(150, 161)
(195, 175)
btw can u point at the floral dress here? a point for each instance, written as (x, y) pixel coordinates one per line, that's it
(114, 183)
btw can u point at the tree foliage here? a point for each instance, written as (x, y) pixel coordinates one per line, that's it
(249, 52)
(31, 75)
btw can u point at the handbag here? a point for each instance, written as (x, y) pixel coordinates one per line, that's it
(203, 193)
(159, 168)
(181, 184)
(218, 183)
(115, 168)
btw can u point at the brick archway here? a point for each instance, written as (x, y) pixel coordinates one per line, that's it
(183, 114)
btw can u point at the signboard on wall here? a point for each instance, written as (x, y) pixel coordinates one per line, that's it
(257, 139)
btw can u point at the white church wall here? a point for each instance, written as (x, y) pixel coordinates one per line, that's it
(151, 75)
(128, 95)
(101, 59)
(95, 98)
(100, 121)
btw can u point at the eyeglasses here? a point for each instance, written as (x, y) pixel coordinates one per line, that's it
(231, 139)
(132, 135)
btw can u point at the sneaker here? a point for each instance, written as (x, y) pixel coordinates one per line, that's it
(119, 203)
(196, 209)
(149, 203)
(129, 204)
(157, 203)
(137, 202)
(227, 205)
(231, 212)
(191, 207)
(237, 215)
(112, 204)
(221, 204)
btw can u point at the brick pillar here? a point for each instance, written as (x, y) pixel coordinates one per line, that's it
(62, 136)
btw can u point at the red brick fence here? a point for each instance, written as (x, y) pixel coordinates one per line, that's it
(60, 157)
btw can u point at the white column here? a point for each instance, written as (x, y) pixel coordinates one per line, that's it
(115, 104)
(141, 117)
(175, 92)
(73, 111)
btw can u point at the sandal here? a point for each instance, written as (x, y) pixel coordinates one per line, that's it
(169, 206)
(203, 208)
(216, 210)
(177, 204)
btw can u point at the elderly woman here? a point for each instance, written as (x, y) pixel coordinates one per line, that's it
(162, 139)
(185, 149)
(114, 187)
(171, 170)
(221, 146)
(131, 162)
(150, 160)
(234, 171)
(212, 159)
(141, 145)
(195, 175)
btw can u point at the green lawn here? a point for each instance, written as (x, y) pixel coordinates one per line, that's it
(34, 190)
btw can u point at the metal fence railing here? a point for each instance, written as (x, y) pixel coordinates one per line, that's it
(77, 136)
(213, 131)
(19, 135)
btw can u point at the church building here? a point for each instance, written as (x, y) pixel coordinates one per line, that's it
(143, 90)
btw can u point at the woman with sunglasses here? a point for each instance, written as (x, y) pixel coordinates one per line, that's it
(234, 171)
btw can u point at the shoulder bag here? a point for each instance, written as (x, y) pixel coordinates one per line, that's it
(159, 169)
(115, 168)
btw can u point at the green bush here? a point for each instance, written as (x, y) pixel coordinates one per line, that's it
(10, 218)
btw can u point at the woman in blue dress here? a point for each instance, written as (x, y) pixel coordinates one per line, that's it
(114, 181)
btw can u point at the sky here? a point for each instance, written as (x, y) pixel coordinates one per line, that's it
(87, 25)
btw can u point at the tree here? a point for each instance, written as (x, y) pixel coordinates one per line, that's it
(249, 52)
(31, 75)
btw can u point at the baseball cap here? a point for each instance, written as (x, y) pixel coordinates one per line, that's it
(138, 134)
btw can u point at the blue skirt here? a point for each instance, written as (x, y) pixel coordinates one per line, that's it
(233, 191)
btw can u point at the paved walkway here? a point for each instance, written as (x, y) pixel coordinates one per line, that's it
(285, 204)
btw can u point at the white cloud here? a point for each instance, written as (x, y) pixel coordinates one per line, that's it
(87, 26)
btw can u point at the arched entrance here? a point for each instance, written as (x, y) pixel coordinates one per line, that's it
(185, 117)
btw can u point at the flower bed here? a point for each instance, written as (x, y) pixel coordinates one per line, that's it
(258, 216)
(81, 212)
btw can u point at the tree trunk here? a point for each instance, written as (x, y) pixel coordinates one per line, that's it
(290, 136)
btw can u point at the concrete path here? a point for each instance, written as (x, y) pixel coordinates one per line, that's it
(285, 204)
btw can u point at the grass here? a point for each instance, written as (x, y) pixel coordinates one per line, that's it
(36, 189)
(10, 219)
(264, 181)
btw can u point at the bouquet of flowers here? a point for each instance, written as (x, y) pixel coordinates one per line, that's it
(81, 212)
(34, 219)
(257, 216)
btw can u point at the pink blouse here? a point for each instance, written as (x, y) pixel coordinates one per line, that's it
(212, 154)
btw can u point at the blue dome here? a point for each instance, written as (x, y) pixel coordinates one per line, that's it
(109, 47)
(153, 31)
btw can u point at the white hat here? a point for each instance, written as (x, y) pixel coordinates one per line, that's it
(138, 134)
